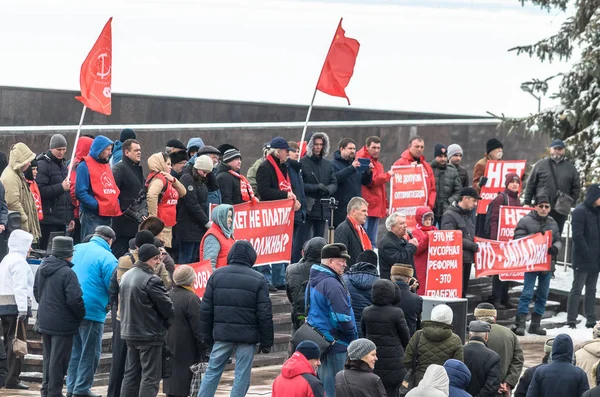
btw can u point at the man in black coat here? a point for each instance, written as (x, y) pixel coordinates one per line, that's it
(351, 233)
(146, 314)
(585, 224)
(483, 363)
(235, 188)
(349, 179)
(60, 312)
(54, 189)
(410, 303)
(527, 377)
(236, 314)
(394, 248)
(295, 173)
(129, 178)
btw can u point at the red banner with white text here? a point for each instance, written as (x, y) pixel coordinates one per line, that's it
(444, 264)
(495, 172)
(508, 219)
(529, 254)
(408, 191)
(203, 270)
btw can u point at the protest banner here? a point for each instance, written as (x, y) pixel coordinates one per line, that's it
(203, 270)
(444, 264)
(408, 191)
(508, 219)
(496, 171)
(529, 254)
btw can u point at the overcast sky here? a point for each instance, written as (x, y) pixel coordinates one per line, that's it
(424, 55)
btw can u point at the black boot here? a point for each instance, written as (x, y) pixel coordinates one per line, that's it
(534, 326)
(519, 325)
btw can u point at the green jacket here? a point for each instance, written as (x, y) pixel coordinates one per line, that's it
(504, 342)
(437, 344)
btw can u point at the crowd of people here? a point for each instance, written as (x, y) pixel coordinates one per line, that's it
(112, 236)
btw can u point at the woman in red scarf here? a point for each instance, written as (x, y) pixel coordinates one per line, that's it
(30, 175)
(424, 218)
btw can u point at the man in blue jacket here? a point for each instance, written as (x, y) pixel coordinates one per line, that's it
(330, 311)
(94, 266)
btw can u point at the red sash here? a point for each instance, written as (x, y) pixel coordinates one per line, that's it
(37, 197)
(284, 183)
(104, 187)
(245, 187)
(362, 235)
(167, 206)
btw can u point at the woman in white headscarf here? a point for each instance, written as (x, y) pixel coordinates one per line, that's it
(435, 383)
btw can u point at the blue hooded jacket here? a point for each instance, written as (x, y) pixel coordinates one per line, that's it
(330, 308)
(117, 153)
(359, 281)
(94, 265)
(83, 188)
(459, 376)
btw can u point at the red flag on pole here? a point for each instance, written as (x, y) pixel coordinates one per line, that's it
(339, 64)
(96, 74)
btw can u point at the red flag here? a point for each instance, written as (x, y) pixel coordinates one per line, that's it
(339, 64)
(96, 74)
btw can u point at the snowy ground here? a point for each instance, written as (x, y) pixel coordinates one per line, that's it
(579, 334)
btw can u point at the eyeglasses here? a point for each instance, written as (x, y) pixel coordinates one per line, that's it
(544, 206)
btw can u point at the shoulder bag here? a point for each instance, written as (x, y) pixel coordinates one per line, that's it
(563, 201)
(410, 378)
(19, 347)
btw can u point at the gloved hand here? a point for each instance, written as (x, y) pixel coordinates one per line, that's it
(553, 251)
(323, 189)
(482, 181)
(264, 349)
(475, 247)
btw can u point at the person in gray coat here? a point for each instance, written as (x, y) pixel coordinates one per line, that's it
(458, 217)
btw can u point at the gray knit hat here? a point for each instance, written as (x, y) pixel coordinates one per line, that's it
(359, 348)
(58, 141)
(203, 163)
(231, 155)
(454, 149)
(184, 275)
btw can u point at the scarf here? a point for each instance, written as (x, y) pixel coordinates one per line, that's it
(188, 287)
(284, 183)
(245, 187)
(362, 235)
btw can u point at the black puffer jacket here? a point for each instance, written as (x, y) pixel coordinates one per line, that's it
(586, 232)
(464, 175)
(412, 306)
(317, 171)
(236, 306)
(350, 182)
(456, 218)
(359, 280)
(358, 380)
(230, 186)
(57, 290)
(384, 324)
(447, 186)
(297, 275)
(129, 178)
(484, 365)
(192, 209)
(540, 180)
(56, 202)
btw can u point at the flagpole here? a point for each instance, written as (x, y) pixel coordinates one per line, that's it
(75, 144)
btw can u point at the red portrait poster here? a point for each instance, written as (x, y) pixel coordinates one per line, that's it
(444, 264)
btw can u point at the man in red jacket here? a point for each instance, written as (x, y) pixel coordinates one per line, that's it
(375, 193)
(413, 156)
(298, 376)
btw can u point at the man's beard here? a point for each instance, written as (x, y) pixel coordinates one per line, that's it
(102, 160)
(557, 157)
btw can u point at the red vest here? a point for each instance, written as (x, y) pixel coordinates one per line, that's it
(104, 187)
(167, 206)
(37, 197)
(225, 243)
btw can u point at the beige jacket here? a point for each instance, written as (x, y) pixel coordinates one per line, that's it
(18, 196)
(587, 356)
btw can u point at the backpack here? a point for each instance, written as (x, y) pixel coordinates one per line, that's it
(488, 217)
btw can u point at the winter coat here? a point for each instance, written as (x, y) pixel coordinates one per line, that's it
(317, 170)
(456, 218)
(358, 380)
(585, 226)
(18, 196)
(61, 309)
(532, 223)
(359, 281)
(251, 174)
(412, 306)
(447, 186)
(586, 357)
(185, 341)
(229, 186)
(3, 206)
(479, 171)
(236, 306)
(129, 178)
(540, 181)
(350, 182)
(459, 376)
(506, 344)
(435, 383)
(437, 344)
(560, 377)
(295, 172)
(14, 273)
(117, 153)
(383, 323)
(422, 252)
(297, 379)
(484, 365)
(267, 183)
(56, 203)
(393, 250)
(375, 193)
(94, 266)
(595, 392)
(407, 159)
(347, 235)
(330, 308)
(83, 149)
(193, 208)
(210, 246)
(464, 175)
(508, 197)
(297, 275)
(525, 381)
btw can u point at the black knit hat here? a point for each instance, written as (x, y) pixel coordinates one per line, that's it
(368, 256)
(144, 237)
(126, 134)
(178, 157)
(440, 150)
(225, 147)
(492, 144)
(176, 144)
(147, 252)
(309, 349)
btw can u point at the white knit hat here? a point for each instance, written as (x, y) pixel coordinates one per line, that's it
(442, 314)
(204, 163)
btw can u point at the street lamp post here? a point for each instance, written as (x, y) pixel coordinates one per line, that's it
(527, 88)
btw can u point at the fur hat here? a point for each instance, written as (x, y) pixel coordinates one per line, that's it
(442, 314)
(177, 157)
(596, 331)
(368, 256)
(62, 247)
(485, 309)
(402, 270)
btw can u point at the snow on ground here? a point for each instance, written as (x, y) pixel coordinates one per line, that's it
(579, 334)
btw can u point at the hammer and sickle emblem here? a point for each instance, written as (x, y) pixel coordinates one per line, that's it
(103, 73)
